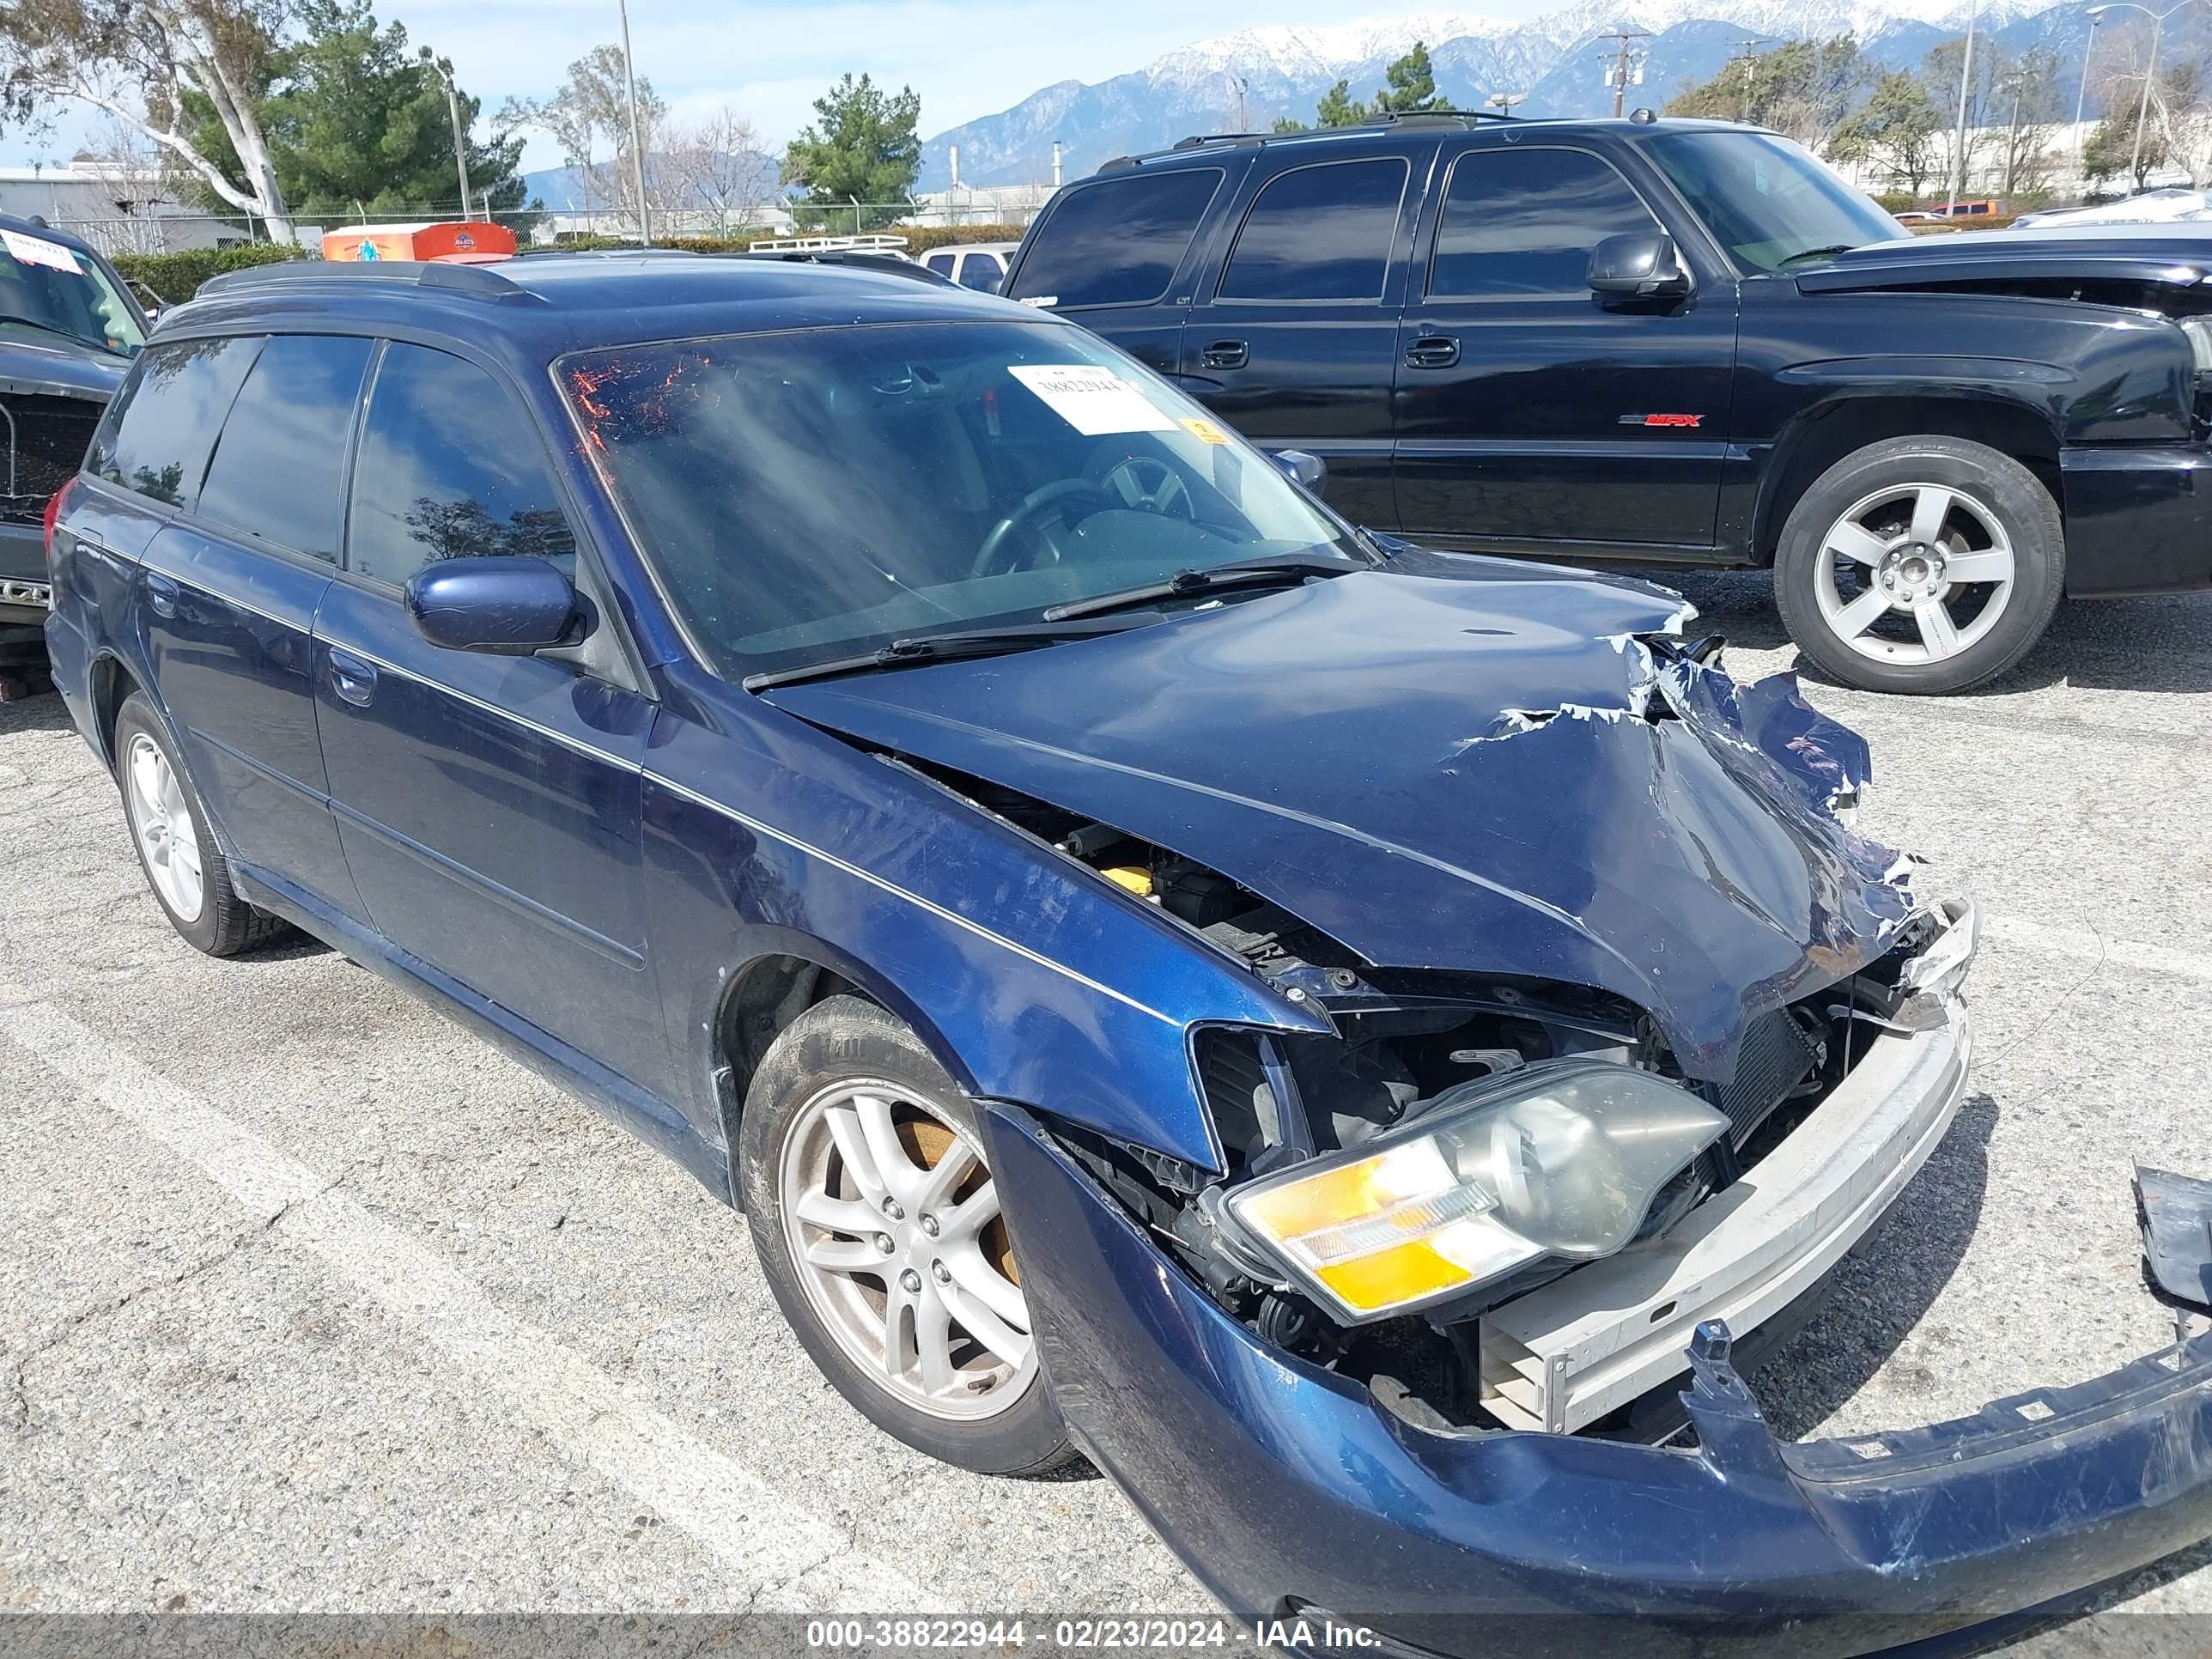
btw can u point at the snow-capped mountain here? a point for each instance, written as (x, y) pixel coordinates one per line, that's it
(1253, 76)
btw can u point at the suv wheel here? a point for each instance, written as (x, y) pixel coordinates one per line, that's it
(877, 1223)
(1920, 564)
(176, 849)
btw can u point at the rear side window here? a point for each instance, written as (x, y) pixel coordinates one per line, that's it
(449, 468)
(279, 468)
(1117, 242)
(1524, 222)
(158, 433)
(1319, 233)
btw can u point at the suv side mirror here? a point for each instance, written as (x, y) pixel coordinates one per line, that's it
(1302, 468)
(1644, 264)
(506, 606)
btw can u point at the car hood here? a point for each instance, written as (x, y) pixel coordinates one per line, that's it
(1452, 763)
(36, 364)
(2158, 256)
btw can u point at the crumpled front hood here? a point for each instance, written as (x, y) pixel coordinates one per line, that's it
(1454, 764)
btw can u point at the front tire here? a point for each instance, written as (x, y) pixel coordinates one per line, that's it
(176, 845)
(877, 1223)
(1921, 565)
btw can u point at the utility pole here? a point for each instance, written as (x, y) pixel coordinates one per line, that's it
(1617, 76)
(2081, 96)
(444, 68)
(636, 137)
(1966, 80)
(1748, 55)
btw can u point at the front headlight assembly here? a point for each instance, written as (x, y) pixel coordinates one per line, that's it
(1560, 1159)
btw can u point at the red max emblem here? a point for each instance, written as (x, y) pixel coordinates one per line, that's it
(1673, 420)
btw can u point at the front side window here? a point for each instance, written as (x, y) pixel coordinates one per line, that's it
(1523, 222)
(806, 496)
(939, 263)
(1117, 242)
(1767, 201)
(1319, 233)
(159, 430)
(49, 287)
(279, 468)
(449, 468)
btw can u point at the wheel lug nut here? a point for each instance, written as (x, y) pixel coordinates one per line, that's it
(891, 1209)
(910, 1280)
(883, 1244)
(929, 1226)
(944, 1274)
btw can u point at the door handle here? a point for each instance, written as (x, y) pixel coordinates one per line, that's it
(162, 594)
(1224, 354)
(1432, 351)
(352, 678)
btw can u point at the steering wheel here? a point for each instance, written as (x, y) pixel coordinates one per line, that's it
(1148, 485)
(988, 559)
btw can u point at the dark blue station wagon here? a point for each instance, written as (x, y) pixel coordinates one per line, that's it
(1339, 1034)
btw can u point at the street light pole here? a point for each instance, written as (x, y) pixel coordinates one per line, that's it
(2150, 74)
(445, 69)
(2081, 97)
(1965, 81)
(636, 137)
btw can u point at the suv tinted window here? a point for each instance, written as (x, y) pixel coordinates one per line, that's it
(1524, 222)
(156, 437)
(1117, 243)
(279, 468)
(449, 469)
(1319, 233)
(981, 271)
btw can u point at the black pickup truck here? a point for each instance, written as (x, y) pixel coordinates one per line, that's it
(1658, 341)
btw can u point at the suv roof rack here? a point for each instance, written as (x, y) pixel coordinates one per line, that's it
(480, 281)
(1418, 117)
(1238, 140)
(859, 258)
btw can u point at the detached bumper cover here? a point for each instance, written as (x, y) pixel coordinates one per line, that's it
(1277, 1481)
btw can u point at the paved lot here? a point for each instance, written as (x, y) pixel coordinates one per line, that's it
(308, 1301)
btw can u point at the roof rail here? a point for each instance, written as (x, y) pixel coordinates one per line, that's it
(1416, 116)
(480, 281)
(889, 264)
(1200, 140)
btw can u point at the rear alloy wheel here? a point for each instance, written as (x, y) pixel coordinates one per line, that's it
(1921, 565)
(875, 1215)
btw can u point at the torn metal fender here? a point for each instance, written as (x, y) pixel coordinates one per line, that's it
(1277, 1481)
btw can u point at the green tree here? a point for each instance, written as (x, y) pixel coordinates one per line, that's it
(1899, 132)
(355, 122)
(1804, 89)
(2110, 151)
(1411, 86)
(862, 148)
(591, 103)
(1339, 108)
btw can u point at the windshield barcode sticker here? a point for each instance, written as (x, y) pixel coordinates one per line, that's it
(1096, 402)
(37, 251)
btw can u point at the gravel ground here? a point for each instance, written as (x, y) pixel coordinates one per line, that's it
(313, 1303)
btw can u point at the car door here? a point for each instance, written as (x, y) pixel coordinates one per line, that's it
(248, 437)
(1295, 345)
(1114, 253)
(1531, 412)
(488, 805)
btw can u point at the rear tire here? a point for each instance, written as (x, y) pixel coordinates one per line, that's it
(875, 1219)
(170, 830)
(1921, 565)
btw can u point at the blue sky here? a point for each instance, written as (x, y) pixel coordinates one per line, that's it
(771, 60)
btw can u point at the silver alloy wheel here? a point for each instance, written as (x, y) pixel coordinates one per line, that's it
(1913, 552)
(895, 1230)
(168, 840)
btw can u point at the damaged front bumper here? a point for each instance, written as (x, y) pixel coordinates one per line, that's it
(1283, 1486)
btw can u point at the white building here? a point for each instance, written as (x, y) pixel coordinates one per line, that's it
(117, 208)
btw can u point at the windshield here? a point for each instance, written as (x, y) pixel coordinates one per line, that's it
(808, 496)
(55, 289)
(1765, 199)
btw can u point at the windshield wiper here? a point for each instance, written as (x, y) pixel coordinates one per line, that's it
(1286, 570)
(70, 335)
(1828, 252)
(940, 647)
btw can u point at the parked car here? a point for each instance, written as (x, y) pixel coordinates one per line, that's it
(1683, 342)
(1336, 1032)
(67, 328)
(978, 266)
(2154, 207)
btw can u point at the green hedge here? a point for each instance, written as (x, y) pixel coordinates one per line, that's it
(177, 277)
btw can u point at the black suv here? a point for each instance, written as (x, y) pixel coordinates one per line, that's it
(1676, 341)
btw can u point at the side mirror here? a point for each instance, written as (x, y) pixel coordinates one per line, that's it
(1644, 264)
(506, 606)
(1301, 467)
